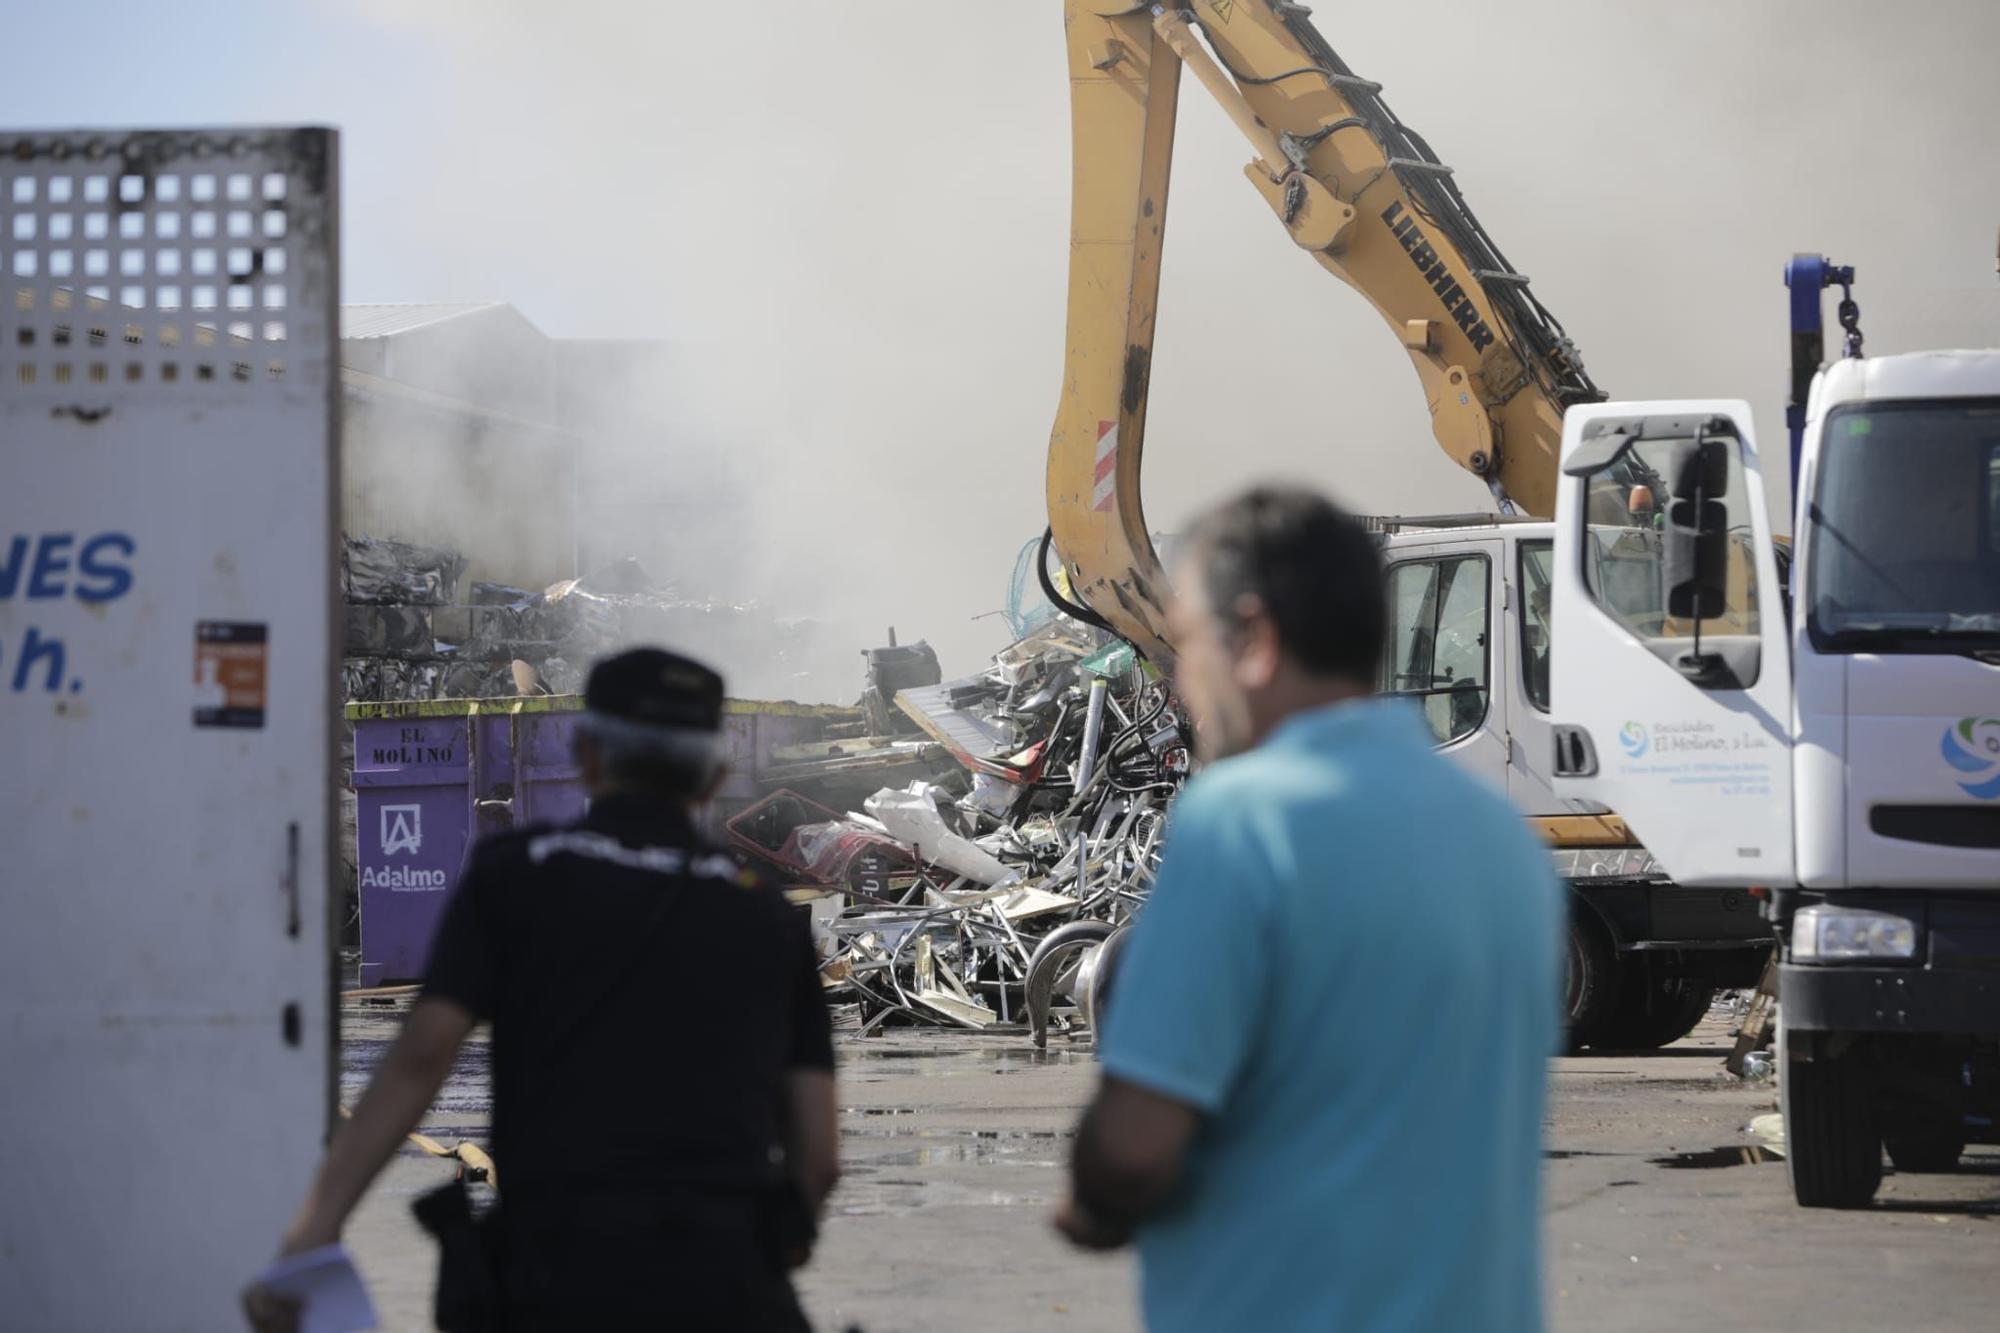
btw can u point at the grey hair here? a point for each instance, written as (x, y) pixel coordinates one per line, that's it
(671, 761)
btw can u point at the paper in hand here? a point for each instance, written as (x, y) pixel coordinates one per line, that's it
(327, 1287)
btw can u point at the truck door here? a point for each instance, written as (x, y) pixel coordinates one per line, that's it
(1444, 640)
(167, 410)
(1531, 748)
(1671, 677)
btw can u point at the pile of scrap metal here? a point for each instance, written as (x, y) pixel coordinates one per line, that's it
(883, 747)
(981, 899)
(410, 635)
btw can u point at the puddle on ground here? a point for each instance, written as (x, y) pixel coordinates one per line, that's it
(953, 1154)
(1028, 1057)
(1564, 1154)
(1714, 1159)
(904, 1197)
(943, 1147)
(984, 1057)
(467, 1092)
(945, 1135)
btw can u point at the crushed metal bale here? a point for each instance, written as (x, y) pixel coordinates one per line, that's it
(409, 632)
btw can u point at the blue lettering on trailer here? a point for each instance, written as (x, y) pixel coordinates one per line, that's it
(52, 566)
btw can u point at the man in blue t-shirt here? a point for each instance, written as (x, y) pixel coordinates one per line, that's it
(1325, 1056)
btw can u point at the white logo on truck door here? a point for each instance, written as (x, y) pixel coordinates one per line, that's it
(402, 829)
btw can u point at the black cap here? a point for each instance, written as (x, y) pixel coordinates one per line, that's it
(655, 688)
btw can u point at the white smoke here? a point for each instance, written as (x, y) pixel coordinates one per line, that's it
(851, 222)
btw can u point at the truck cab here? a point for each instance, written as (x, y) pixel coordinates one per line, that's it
(1458, 649)
(1842, 753)
(1470, 602)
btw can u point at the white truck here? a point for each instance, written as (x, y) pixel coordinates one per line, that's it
(1837, 749)
(1469, 642)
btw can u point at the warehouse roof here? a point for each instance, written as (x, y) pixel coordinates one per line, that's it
(386, 320)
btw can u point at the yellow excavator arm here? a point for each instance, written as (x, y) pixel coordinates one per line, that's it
(1355, 188)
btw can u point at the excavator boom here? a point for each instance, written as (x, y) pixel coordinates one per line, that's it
(1353, 187)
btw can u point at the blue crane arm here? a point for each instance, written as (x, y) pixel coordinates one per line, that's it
(1808, 276)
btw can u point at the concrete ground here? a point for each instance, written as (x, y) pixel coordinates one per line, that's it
(1661, 1213)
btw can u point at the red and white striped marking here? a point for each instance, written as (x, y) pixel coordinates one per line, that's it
(1105, 489)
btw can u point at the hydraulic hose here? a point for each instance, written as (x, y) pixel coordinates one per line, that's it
(1073, 610)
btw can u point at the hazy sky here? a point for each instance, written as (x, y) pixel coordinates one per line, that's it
(853, 217)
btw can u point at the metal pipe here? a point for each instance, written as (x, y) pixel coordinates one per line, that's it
(1093, 731)
(1180, 39)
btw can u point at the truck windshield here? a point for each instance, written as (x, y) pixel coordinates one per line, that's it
(1625, 550)
(1905, 528)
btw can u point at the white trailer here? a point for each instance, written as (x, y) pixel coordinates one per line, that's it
(168, 419)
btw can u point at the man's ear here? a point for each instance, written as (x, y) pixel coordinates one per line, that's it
(1257, 648)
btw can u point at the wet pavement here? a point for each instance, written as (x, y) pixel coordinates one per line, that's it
(1664, 1212)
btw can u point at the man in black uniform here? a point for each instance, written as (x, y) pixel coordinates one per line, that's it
(663, 1106)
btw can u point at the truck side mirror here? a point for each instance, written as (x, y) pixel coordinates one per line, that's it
(1695, 535)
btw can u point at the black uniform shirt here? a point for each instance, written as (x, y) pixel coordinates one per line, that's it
(647, 997)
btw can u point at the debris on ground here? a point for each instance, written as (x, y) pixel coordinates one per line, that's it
(812, 844)
(1758, 1032)
(1018, 865)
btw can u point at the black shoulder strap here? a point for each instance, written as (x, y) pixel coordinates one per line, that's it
(672, 892)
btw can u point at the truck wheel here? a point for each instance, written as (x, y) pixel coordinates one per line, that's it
(1931, 1150)
(1652, 1010)
(1590, 979)
(1833, 1148)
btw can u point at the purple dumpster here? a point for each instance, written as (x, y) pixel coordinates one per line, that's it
(410, 825)
(429, 775)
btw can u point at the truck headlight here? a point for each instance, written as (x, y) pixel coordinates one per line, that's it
(1828, 934)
